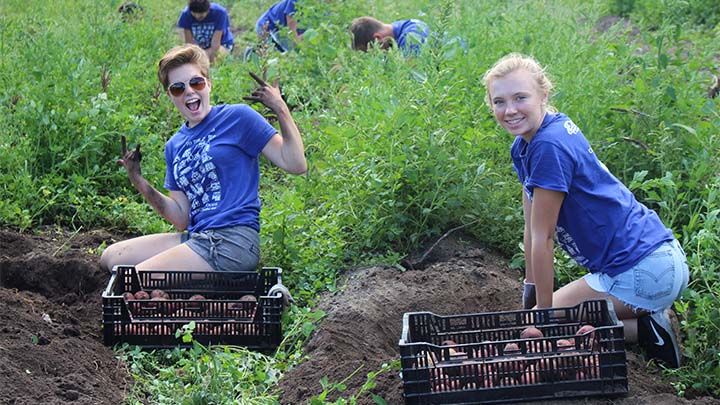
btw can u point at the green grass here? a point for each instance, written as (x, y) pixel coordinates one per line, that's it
(400, 150)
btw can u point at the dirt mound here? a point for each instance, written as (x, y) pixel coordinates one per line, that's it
(363, 324)
(50, 322)
(50, 319)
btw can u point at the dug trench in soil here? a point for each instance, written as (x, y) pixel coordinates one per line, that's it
(51, 349)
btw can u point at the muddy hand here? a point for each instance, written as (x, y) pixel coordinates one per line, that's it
(130, 159)
(266, 94)
(134, 155)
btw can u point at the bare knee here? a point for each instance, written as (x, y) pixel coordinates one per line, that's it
(118, 253)
(107, 258)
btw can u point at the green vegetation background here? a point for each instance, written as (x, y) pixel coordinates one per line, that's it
(400, 150)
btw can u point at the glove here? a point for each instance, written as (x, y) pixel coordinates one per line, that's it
(528, 297)
(281, 289)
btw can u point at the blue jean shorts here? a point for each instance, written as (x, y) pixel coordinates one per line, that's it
(234, 248)
(651, 285)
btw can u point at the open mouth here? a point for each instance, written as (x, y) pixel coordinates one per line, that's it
(514, 121)
(193, 105)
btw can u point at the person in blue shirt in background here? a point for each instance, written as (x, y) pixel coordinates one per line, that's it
(269, 25)
(571, 198)
(207, 25)
(409, 35)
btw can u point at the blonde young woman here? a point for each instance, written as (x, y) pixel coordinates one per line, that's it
(570, 196)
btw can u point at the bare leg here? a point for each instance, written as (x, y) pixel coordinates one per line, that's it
(179, 257)
(579, 291)
(162, 251)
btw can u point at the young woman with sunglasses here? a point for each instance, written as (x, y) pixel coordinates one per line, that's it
(212, 174)
(569, 196)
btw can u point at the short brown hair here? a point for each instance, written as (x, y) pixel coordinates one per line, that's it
(363, 30)
(182, 55)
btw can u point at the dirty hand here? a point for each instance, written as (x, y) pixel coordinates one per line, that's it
(281, 289)
(528, 297)
(130, 159)
(267, 94)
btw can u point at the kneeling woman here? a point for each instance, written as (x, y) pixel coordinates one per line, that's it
(633, 259)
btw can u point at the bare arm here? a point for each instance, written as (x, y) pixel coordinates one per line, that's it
(187, 34)
(543, 221)
(527, 238)
(285, 150)
(175, 208)
(214, 45)
(292, 24)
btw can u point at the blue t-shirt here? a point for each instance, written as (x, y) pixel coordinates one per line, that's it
(601, 225)
(203, 31)
(276, 16)
(410, 35)
(216, 165)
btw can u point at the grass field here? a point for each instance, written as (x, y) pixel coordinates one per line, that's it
(400, 149)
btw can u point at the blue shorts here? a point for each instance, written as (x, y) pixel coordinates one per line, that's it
(234, 248)
(651, 285)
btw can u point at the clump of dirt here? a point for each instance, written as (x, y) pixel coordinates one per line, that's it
(51, 321)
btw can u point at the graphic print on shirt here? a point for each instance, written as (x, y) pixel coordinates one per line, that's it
(196, 175)
(571, 128)
(203, 32)
(568, 244)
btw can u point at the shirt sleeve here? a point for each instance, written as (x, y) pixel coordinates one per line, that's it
(549, 167)
(256, 132)
(289, 8)
(185, 20)
(170, 183)
(222, 21)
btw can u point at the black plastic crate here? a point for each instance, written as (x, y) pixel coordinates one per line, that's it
(220, 319)
(481, 358)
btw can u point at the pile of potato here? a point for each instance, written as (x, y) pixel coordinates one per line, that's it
(245, 308)
(540, 363)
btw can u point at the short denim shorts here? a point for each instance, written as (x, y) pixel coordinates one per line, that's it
(233, 248)
(651, 285)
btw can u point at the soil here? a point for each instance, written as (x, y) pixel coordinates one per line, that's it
(51, 349)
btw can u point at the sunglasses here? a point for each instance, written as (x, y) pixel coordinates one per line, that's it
(197, 83)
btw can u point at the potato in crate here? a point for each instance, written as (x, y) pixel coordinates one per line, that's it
(513, 355)
(228, 308)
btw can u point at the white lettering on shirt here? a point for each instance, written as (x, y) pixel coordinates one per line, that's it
(571, 128)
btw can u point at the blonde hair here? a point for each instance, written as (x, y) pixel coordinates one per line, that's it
(182, 55)
(515, 61)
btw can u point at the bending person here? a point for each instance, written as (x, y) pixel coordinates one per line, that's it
(280, 14)
(633, 259)
(207, 25)
(409, 35)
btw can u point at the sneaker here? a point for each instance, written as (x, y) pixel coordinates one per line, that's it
(659, 338)
(249, 54)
